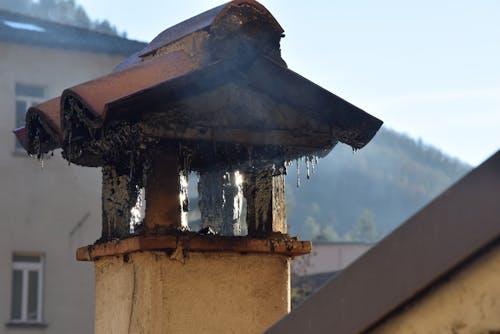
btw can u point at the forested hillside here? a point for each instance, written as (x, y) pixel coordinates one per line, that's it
(363, 195)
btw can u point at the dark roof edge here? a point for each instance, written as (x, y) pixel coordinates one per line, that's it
(61, 46)
(76, 29)
(44, 21)
(460, 222)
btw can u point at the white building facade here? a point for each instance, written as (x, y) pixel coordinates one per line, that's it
(46, 213)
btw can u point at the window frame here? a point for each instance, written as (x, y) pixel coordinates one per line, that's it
(26, 268)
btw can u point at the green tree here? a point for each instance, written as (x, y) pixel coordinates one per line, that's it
(365, 229)
(20, 6)
(317, 232)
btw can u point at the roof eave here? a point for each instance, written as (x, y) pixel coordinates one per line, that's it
(454, 227)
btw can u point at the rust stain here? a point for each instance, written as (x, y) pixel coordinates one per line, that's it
(197, 243)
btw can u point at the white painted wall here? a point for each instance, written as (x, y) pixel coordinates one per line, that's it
(39, 208)
(329, 257)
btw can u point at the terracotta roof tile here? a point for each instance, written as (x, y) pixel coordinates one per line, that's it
(350, 124)
(97, 93)
(200, 22)
(49, 111)
(166, 71)
(46, 118)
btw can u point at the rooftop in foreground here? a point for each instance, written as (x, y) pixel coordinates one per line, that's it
(453, 229)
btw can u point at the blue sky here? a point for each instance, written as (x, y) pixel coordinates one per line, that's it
(430, 69)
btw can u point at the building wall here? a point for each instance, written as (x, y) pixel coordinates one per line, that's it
(50, 211)
(329, 257)
(466, 302)
(209, 293)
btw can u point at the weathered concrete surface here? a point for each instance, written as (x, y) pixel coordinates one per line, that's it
(467, 302)
(152, 292)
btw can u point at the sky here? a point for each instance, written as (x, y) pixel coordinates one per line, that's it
(430, 69)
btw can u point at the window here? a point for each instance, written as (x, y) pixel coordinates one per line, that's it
(27, 277)
(26, 96)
